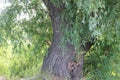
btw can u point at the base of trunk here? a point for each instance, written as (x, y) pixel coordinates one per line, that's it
(62, 64)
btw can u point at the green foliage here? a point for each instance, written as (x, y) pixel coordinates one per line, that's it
(24, 40)
(21, 64)
(103, 62)
(104, 57)
(82, 22)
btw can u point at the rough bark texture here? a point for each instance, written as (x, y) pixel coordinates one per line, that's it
(59, 62)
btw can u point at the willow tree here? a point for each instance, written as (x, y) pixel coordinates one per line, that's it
(77, 24)
(74, 24)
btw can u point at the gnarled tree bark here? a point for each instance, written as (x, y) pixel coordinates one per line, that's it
(59, 62)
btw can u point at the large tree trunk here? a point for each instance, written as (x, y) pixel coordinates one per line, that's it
(60, 62)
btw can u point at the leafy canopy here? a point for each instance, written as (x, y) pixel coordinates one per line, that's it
(86, 19)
